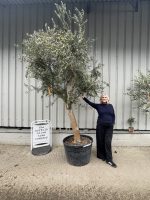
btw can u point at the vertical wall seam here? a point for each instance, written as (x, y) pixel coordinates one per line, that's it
(9, 28)
(36, 27)
(2, 64)
(43, 114)
(131, 71)
(148, 42)
(50, 97)
(88, 36)
(109, 47)
(102, 39)
(147, 53)
(94, 55)
(139, 56)
(57, 113)
(124, 67)
(22, 70)
(117, 67)
(15, 78)
(72, 6)
(29, 82)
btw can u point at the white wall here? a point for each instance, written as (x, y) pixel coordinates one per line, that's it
(122, 44)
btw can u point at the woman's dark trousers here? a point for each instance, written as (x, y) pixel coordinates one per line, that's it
(103, 139)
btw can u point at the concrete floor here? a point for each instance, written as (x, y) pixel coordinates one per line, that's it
(49, 177)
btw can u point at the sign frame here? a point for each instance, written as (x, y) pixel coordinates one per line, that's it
(41, 137)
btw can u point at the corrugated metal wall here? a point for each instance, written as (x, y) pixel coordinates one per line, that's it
(122, 44)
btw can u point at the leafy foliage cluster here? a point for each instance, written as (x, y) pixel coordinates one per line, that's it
(58, 58)
(140, 91)
(131, 120)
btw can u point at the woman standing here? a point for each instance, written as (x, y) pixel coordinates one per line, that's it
(104, 128)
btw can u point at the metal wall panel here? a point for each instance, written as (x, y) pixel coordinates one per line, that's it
(122, 44)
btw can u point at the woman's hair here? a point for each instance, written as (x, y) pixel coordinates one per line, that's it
(105, 96)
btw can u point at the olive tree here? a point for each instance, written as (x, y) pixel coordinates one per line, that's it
(58, 58)
(140, 91)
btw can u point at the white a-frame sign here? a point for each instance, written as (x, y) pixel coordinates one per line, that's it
(41, 137)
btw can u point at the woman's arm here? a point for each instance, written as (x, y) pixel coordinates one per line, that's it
(94, 105)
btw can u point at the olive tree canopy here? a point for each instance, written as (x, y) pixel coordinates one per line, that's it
(140, 91)
(58, 57)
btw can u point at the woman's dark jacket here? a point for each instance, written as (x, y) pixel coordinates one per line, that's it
(106, 115)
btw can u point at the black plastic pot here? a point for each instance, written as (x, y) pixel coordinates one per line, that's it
(78, 155)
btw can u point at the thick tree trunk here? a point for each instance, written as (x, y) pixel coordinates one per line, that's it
(74, 126)
(49, 91)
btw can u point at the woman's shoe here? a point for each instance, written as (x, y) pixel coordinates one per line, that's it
(111, 163)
